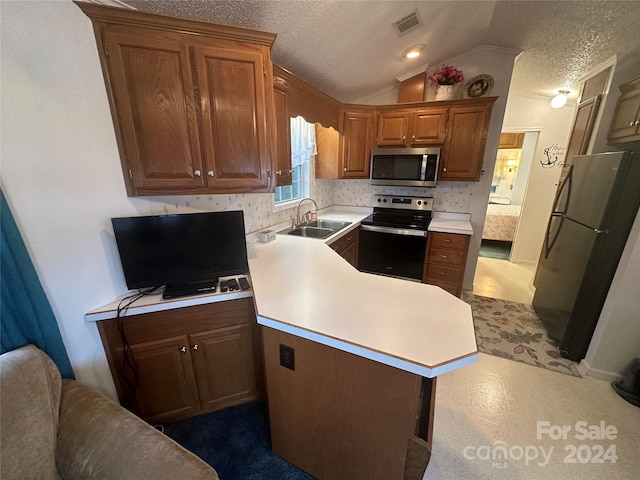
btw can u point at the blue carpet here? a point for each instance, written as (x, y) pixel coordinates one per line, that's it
(495, 249)
(235, 441)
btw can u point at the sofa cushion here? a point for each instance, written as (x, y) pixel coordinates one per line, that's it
(29, 406)
(100, 440)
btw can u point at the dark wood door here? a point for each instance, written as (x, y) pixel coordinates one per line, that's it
(582, 128)
(153, 107)
(163, 382)
(428, 127)
(283, 132)
(392, 128)
(357, 138)
(463, 152)
(224, 366)
(234, 116)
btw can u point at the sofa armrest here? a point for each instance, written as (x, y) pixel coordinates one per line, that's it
(98, 439)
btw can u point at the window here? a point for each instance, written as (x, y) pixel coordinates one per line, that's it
(303, 145)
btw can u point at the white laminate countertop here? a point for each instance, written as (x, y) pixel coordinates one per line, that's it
(301, 286)
(444, 222)
(305, 288)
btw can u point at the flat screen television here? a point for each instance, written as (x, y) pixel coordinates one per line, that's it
(182, 251)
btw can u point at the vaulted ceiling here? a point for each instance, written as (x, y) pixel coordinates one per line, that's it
(349, 49)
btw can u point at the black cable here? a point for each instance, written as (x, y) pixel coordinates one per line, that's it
(128, 359)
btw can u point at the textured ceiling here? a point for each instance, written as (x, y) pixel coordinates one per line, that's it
(349, 49)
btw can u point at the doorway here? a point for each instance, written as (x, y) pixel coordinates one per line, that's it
(497, 275)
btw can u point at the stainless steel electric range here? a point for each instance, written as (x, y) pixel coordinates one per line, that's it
(393, 240)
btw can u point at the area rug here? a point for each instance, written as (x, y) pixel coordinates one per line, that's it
(235, 442)
(495, 249)
(513, 331)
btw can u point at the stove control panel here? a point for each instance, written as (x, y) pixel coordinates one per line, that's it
(403, 202)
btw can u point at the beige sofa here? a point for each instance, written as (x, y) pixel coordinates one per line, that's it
(59, 429)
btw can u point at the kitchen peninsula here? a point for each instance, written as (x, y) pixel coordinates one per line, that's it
(351, 359)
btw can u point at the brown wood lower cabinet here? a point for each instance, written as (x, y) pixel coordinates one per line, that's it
(445, 261)
(347, 246)
(185, 361)
(341, 416)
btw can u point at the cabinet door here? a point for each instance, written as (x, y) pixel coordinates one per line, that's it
(511, 140)
(152, 101)
(392, 128)
(357, 138)
(162, 379)
(428, 127)
(626, 119)
(233, 99)
(224, 366)
(463, 152)
(582, 128)
(283, 132)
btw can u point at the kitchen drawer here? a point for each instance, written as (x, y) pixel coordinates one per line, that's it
(445, 256)
(439, 273)
(452, 288)
(449, 240)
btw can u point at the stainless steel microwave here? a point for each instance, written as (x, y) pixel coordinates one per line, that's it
(412, 167)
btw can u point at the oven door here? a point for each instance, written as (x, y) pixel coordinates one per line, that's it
(392, 251)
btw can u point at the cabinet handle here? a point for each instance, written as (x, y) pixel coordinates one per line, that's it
(344, 169)
(404, 137)
(291, 170)
(268, 173)
(442, 273)
(279, 173)
(446, 240)
(444, 169)
(413, 138)
(637, 122)
(210, 173)
(195, 347)
(183, 349)
(632, 123)
(197, 173)
(444, 256)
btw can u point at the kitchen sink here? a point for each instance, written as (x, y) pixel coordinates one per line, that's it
(334, 225)
(313, 232)
(320, 228)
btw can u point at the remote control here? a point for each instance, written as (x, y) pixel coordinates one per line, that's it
(233, 285)
(244, 284)
(224, 285)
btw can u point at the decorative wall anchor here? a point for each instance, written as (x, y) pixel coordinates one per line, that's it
(551, 154)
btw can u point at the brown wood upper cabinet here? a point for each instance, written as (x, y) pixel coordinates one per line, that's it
(357, 127)
(283, 131)
(411, 127)
(625, 126)
(511, 140)
(192, 102)
(463, 151)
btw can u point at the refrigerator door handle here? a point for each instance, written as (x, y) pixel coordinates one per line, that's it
(548, 245)
(566, 183)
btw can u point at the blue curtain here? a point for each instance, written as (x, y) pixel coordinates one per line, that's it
(25, 314)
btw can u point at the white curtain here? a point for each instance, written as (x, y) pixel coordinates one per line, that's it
(303, 141)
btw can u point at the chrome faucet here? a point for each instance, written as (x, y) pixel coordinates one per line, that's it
(297, 219)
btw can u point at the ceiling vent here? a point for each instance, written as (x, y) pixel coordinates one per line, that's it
(408, 23)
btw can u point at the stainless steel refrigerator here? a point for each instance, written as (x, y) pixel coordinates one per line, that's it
(594, 209)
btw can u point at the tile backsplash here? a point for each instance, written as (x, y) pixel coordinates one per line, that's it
(259, 212)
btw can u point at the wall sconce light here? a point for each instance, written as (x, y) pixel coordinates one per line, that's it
(413, 52)
(560, 100)
(511, 163)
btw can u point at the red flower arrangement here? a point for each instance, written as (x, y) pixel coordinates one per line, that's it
(447, 75)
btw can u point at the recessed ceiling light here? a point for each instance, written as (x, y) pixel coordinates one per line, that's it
(560, 100)
(414, 51)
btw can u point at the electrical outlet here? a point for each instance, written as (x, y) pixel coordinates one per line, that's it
(287, 357)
